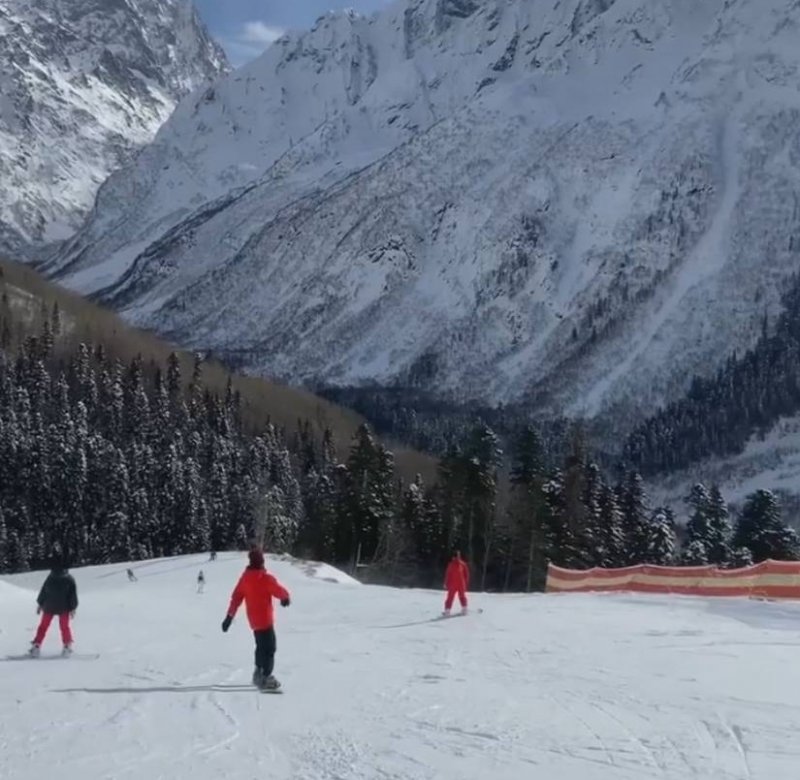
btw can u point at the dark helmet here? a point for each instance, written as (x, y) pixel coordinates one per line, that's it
(256, 557)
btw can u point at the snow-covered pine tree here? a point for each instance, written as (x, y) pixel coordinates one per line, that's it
(557, 539)
(527, 505)
(275, 530)
(592, 531)
(762, 530)
(740, 557)
(661, 542)
(4, 551)
(694, 554)
(292, 509)
(118, 545)
(635, 517)
(698, 528)
(719, 527)
(482, 457)
(612, 534)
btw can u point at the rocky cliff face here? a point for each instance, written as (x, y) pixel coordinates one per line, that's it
(579, 202)
(83, 84)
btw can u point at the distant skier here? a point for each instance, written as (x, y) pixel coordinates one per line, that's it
(213, 556)
(58, 596)
(201, 581)
(257, 588)
(131, 576)
(456, 581)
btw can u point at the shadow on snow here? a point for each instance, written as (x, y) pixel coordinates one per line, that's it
(163, 689)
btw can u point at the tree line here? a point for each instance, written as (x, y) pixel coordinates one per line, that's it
(105, 461)
(720, 413)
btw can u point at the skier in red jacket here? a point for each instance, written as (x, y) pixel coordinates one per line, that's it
(257, 588)
(456, 581)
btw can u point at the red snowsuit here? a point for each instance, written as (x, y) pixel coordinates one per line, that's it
(257, 587)
(456, 580)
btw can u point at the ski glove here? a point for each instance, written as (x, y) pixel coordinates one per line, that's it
(226, 624)
(285, 602)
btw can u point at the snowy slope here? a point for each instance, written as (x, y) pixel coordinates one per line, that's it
(667, 688)
(577, 201)
(84, 83)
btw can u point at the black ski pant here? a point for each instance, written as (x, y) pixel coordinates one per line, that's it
(265, 650)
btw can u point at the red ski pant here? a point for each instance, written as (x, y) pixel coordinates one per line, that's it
(44, 624)
(451, 594)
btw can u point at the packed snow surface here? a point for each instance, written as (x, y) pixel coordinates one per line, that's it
(559, 687)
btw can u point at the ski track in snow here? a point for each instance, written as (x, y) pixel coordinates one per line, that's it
(568, 687)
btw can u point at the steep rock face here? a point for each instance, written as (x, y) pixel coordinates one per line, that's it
(580, 202)
(83, 83)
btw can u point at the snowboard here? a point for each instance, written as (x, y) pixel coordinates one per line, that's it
(54, 657)
(460, 614)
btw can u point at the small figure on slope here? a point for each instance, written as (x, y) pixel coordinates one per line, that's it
(131, 576)
(456, 581)
(201, 581)
(213, 555)
(257, 588)
(58, 596)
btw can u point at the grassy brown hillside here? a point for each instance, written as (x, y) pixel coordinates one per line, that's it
(31, 298)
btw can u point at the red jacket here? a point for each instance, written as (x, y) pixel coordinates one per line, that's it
(257, 587)
(457, 575)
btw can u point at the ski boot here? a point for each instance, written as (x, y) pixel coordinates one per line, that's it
(269, 683)
(258, 677)
(446, 613)
(34, 651)
(464, 610)
(67, 651)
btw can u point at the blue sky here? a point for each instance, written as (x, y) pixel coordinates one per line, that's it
(246, 27)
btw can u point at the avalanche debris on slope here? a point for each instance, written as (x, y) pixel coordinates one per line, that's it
(581, 202)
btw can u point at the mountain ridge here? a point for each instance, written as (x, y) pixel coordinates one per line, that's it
(493, 200)
(85, 84)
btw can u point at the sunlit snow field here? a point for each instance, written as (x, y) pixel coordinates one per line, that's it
(548, 687)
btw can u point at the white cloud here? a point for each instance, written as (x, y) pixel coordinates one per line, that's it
(250, 41)
(258, 32)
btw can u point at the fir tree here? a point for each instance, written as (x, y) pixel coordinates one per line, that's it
(720, 531)
(528, 505)
(661, 541)
(633, 505)
(694, 554)
(611, 531)
(740, 557)
(4, 551)
(698, 529)
(761, 530)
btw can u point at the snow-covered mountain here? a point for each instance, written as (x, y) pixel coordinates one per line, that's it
(84, 83)
(581, 202)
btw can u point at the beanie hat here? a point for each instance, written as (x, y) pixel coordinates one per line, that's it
(256, 558)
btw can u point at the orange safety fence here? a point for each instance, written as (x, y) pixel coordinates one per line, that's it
(770, 580)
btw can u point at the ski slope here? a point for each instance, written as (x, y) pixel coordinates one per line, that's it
(545, 687)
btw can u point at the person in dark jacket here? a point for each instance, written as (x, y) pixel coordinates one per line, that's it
(58, 596)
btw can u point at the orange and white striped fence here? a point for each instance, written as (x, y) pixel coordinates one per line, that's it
(769, 580)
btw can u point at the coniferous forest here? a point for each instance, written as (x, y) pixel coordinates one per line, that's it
(720, 413)
(105, 460)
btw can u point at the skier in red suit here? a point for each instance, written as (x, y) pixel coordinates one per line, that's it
(257, 588)
(456, 581)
